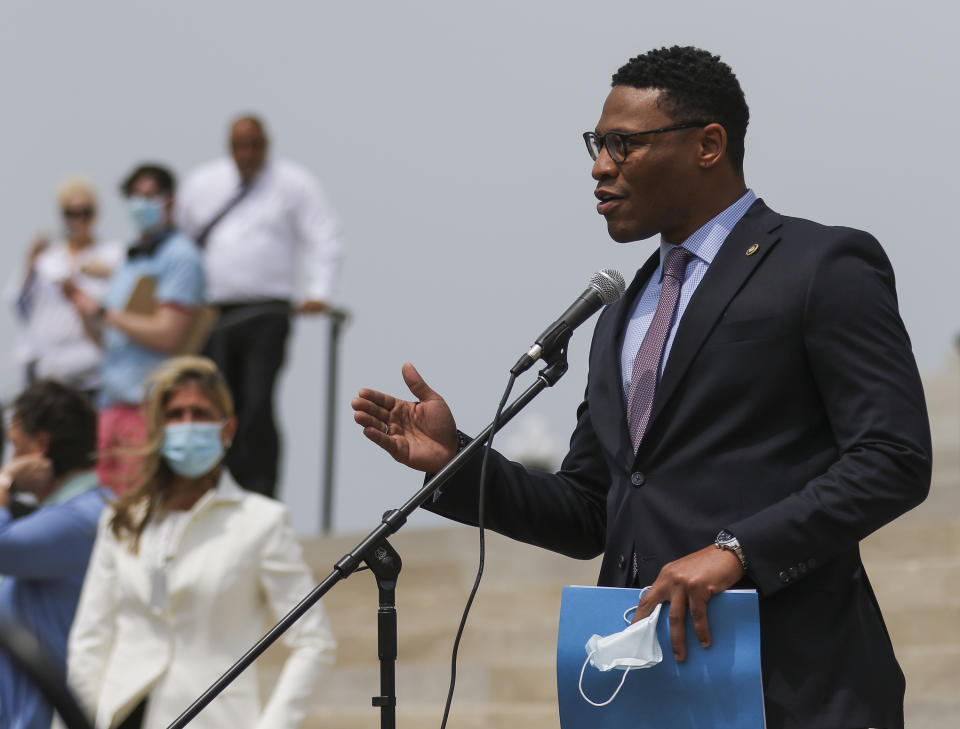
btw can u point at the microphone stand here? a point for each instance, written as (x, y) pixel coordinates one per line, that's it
(384, 562)
(386, 568)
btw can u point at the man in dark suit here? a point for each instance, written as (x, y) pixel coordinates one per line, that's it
(753, 409)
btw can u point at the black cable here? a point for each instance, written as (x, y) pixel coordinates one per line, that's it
(483, 550)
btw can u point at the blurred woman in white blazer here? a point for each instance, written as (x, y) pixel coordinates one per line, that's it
(183, 573)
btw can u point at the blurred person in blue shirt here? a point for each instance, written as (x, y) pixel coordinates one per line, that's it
(135, 343)
(44, 553)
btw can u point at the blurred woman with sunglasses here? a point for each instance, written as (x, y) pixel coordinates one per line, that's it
(53, 343)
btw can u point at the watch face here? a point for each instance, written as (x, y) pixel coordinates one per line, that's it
(725, 536)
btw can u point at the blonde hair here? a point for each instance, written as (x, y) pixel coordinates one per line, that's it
(134, 508)
(76, 185)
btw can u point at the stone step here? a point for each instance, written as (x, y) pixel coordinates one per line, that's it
(514, 641)
(932, 671)
(502, 682)
(918, 539)
(463, 715)
(902, 585)
(915, 626)
(931, 714)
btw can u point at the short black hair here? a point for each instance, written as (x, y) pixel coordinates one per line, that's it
(68, 419)
(695, 85)
(164, 178)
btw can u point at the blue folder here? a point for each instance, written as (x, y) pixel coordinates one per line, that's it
(714, 688)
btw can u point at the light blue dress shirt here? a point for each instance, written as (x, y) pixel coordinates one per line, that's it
(703, 244)
(177, 268)
(43, 559)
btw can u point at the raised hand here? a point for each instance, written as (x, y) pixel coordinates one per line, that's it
(421, 435)
(31, 472)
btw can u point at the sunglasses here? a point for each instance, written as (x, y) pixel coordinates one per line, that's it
(83, 213)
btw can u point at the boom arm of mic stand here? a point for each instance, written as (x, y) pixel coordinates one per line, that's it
(391, 523)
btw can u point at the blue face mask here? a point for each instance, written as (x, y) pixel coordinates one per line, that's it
(192, 449)
(148, 213)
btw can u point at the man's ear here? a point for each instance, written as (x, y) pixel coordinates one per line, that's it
(713, 145)
(229, 431)
(42, 440)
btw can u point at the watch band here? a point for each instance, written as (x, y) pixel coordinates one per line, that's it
(725, 540)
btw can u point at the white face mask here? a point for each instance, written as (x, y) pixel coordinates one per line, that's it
(634, 647)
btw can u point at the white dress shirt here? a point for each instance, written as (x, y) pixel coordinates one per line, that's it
(283, 228)
(52, 334)
(168, 620)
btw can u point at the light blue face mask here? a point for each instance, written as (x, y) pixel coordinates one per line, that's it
(192, 449)
(148, 213)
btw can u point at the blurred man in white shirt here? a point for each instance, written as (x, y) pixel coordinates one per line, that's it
(265, 226)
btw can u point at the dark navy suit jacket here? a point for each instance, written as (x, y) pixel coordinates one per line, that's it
(791, 413)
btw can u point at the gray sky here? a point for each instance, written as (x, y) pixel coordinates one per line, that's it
(448, 137)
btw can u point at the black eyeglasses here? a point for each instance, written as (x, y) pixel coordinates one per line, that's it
(84, 213)
(616, 142)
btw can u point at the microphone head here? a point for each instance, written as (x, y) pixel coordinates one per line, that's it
(609, 284)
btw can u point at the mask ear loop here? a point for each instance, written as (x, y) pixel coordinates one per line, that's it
(634, 607)
(587, 698)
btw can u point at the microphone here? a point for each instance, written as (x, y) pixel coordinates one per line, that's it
(605, 287)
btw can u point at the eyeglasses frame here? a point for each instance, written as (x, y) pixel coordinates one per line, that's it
(602, 138)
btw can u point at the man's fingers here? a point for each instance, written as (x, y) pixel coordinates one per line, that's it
(698, 612)
(365, 419)
(654, 595)
(648, 601)
(420, 389)
(380, 399)
(678, 625)
(382, 439)
(365, 407)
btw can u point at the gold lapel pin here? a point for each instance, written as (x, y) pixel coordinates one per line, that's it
(752, 249)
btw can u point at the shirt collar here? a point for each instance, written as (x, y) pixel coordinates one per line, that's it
(146, 247)
(79, 484)
(707, 239)
(257, 178)
(226, 489)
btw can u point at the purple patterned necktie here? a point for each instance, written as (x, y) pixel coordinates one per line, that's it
(646, 366)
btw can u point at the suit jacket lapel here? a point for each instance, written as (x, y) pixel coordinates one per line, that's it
(610, 414)
(727, 273)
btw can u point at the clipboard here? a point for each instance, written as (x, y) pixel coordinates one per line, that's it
(719, 687)
(143, 301)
